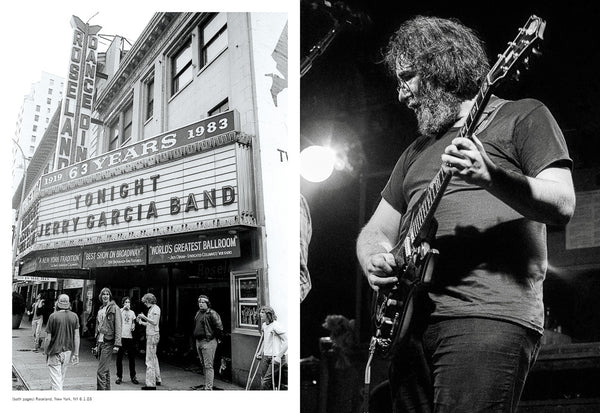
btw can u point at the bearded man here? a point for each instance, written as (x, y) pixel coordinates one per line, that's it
(474, 346)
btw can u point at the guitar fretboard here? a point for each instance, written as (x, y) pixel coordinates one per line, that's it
(438, 184)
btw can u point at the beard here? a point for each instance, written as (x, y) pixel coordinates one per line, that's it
(435, 108)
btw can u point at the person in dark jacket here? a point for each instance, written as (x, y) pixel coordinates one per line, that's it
(108, 336)
(208, 328)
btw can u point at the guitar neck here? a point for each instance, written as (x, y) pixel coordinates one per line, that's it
(438, 184)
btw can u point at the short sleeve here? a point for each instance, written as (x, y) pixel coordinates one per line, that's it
(392, 192)
(538, 140)
(278, 328)
(50, 325)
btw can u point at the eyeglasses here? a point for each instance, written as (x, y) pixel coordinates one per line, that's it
(403, 79)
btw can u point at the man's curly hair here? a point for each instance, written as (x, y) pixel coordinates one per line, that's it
(270, 313)
(444, 52)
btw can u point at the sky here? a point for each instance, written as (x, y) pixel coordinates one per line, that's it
(39, 40)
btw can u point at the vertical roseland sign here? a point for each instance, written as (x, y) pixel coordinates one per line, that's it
(76, 110)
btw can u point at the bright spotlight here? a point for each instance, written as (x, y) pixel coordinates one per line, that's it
(316, 163)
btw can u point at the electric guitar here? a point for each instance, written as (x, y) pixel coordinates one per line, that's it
(415, 259)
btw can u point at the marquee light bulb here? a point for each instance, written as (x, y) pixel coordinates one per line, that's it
(317, 163)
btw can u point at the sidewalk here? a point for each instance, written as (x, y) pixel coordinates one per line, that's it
(31, 368)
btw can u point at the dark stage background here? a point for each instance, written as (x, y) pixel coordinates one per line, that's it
(348, 100)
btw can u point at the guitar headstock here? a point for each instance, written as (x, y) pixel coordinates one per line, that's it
(518, 50)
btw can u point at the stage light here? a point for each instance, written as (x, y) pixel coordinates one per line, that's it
(317, 163)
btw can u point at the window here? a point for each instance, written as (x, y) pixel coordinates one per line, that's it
(31, 149)
(47, 120)
(149, 99)
(48, 110)
(37, 108)
(36, 118)
(49, 101)
(182, 67)
(32, 138)
(113, 137)
(35, 128)
(127, 122)
(51, 82)
(120, 129)
(49, 91)
(221, 107)
(246, 299)
(214, 38)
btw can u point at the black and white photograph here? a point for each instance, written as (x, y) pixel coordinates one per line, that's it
(153, 208)
(313, 206)
(451, 194)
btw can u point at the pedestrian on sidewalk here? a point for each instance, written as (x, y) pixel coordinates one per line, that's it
(151, 322)
(108, 336)
(127, 342)
(62, 341)
(37, 312)
(272, 351)
(208, 329)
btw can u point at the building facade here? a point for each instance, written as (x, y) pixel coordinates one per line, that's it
(34, 118)
(186, 189)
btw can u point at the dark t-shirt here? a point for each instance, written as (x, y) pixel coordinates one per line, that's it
(492, 260)
(62, 325)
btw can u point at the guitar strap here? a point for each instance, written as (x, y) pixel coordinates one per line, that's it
(487, 116)
(489, 113)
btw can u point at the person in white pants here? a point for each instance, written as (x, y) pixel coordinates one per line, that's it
(62, 341)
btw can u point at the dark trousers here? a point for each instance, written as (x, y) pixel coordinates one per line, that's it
(464, 365)
(105, 351)
(127, 345)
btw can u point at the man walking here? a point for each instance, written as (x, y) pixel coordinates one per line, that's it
(207, 329)
(62, 341)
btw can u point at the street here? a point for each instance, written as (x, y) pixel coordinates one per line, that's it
(30, 371)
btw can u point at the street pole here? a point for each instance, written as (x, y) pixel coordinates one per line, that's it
(20, 210)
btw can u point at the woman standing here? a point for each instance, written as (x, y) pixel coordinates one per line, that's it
(152, 338)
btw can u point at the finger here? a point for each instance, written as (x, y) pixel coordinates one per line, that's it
(454, 151)
(463, 143)
(389, 259)
(481, 148)
(380, 264)
(477, 143)
(377, 281)
(454, 164)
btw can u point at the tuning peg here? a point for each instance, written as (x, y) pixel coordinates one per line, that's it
(536, 51)
(526, 63)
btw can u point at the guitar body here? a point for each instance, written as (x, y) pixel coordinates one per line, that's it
(396, 308)
(414, 268)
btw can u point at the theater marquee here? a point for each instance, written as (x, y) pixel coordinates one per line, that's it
(213, 188)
